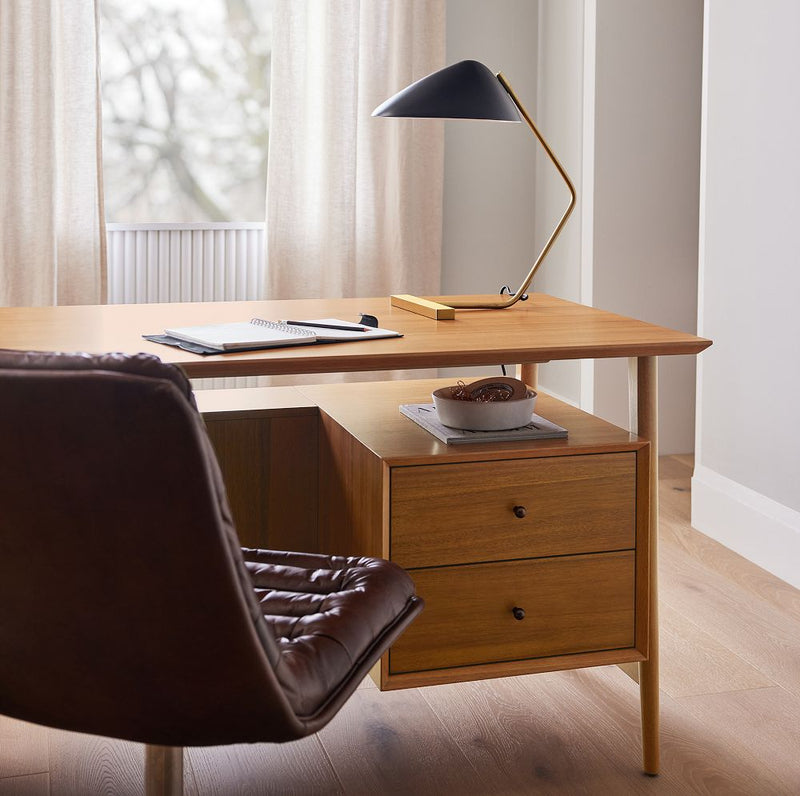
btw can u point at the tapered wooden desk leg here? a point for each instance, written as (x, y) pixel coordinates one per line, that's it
(647, 426)
(163, 770)
(528, 372)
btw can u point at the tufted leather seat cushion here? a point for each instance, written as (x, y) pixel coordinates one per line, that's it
(325, 613)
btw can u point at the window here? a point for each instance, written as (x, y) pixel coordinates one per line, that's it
(185, 87)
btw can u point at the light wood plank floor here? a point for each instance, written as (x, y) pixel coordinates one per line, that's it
(730, 712)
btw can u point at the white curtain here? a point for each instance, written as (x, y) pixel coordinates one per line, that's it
(354, 203)
(52, 238)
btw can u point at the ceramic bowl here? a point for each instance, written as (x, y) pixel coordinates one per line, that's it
(478, 416)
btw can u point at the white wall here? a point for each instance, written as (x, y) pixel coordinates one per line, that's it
(619, 97)
(746, 490)
(631, 85)
(646, 192)
(490, 167)
(559, 116)
(615, 88)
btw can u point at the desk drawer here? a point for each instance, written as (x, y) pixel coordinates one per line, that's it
(573, 604)
(464, 512)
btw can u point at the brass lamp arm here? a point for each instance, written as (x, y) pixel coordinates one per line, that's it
(513, 299)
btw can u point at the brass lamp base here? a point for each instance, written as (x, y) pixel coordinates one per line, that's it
(421, 306)
(447, 312)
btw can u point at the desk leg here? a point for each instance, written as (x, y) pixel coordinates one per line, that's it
(528, 373)
(644, 398)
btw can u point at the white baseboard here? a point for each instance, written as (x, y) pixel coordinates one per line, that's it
(757, 527)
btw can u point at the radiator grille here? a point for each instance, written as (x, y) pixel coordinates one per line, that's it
(150, 263)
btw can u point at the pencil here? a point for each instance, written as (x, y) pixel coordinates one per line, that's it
(328, 326)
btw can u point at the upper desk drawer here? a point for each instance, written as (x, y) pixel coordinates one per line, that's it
(515, 508)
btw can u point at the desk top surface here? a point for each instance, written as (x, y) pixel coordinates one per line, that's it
(541, 329)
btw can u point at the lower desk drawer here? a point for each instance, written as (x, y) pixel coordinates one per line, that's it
(572, 604)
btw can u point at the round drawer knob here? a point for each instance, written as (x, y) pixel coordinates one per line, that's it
(519, 613)
(520, 511)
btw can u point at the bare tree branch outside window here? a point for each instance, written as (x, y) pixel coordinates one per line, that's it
(185, 88)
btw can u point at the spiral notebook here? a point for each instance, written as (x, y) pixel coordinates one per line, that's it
(258, 333)
(255, 333)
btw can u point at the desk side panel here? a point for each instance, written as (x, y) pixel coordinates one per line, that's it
(269, 463)
(353, 495)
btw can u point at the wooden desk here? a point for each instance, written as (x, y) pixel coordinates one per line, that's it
(539, 330)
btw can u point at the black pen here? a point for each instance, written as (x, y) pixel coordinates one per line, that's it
(328, 326)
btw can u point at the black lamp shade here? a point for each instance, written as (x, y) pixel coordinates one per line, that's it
(466, 90)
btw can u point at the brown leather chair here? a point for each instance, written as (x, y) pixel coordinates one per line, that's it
(128, 608)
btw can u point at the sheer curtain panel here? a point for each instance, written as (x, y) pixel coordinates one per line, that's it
(52, 239)
(354, 203)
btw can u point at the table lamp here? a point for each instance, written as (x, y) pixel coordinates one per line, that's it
(469, 90)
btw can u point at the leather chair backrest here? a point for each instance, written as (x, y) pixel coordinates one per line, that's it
(125, 608)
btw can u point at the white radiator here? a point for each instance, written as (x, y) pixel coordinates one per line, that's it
(152, 263)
